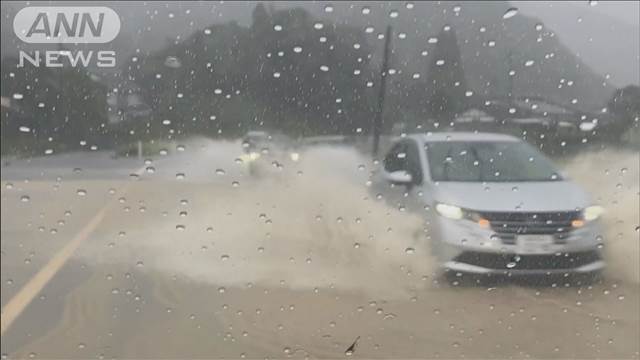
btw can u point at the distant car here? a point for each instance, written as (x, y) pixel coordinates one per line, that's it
(264, 152)
(493, 205)
(253, 141)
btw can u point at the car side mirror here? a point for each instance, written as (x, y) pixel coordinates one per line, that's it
(399, 177)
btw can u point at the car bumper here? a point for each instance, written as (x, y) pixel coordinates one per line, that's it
(465, 247)
(513, 264)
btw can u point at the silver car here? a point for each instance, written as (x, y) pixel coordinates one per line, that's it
(493, 205)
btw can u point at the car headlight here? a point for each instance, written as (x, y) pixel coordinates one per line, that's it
(294, 156)
(254, 156)
(449, 211)
(591, 213)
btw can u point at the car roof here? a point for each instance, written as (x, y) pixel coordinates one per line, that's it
(462, 136)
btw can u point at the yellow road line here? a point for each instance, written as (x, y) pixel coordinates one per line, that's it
(32, 288)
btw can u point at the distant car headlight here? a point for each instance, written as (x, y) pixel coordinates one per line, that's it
(254, 156)
(294, 156)
(591, 213)
(450, 211)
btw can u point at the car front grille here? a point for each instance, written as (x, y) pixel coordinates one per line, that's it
(569, 260)
(508, 225)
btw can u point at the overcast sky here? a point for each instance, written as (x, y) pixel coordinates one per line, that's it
(606, 36)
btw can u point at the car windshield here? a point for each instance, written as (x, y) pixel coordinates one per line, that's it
(488, 161)
(213, 179)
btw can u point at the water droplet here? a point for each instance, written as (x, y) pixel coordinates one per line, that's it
(389, 316)
(81, 192)
(511, 12)
(172, 62)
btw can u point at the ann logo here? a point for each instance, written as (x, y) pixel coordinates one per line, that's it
(59, 24)
(43, 25)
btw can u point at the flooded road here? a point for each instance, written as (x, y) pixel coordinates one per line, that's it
(192, 257)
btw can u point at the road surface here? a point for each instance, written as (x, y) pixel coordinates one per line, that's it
(187, 256)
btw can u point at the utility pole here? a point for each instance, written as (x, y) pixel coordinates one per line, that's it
(377, 125)
(511, 76)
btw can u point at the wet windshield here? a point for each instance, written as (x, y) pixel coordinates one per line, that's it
(478, 161)
(243, 179)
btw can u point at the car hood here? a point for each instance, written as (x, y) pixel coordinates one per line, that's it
(520, 196)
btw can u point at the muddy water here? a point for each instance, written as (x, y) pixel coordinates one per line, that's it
(313, 223)
(303, 261)
(612, 177)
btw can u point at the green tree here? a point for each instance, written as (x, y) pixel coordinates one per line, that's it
(624, 105)
(287, 72)
(61, 107)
